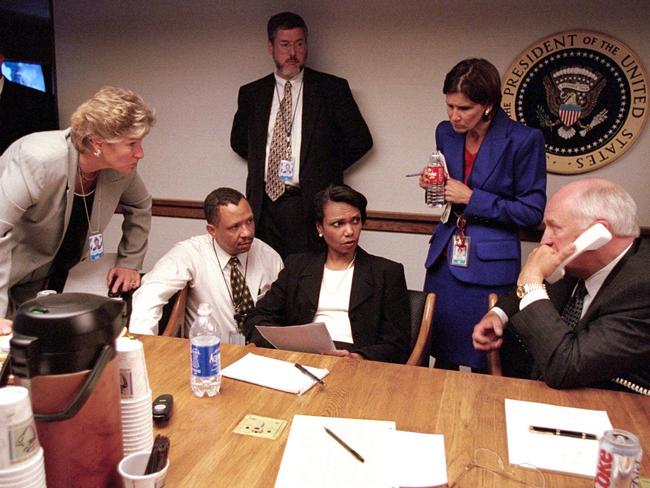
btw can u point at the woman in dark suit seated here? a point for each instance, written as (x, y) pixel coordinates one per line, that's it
(362, 299)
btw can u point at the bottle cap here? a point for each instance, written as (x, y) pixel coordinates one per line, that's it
(205, 309)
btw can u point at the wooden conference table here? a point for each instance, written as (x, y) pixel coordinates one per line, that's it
(467, 408)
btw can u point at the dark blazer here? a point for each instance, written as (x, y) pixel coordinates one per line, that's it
(23, 111)
(334, 134)
(509, 192)
(379, 308)
(611, 340)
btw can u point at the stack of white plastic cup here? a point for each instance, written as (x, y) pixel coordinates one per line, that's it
(135, 403)
(21, 455)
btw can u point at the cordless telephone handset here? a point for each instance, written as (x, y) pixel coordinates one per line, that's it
(593, 238)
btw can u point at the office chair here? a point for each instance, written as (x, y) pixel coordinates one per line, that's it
(422, 307)
(493, 358)
(172, 323)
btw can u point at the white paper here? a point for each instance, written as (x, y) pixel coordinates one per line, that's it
(313, 458)
(391, 458)
(554, 452)
(273, 373)
(313, 338)
(413, 459)
(90, 276)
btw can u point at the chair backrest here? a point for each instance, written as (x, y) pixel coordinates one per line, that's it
(174, 326)
(422, 307)
(493, 358)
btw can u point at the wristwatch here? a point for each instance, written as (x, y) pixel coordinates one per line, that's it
(526, 288)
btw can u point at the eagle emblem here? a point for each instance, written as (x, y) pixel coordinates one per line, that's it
(572, 96)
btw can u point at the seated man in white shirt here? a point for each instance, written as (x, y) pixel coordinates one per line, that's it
(204, 263)
(592, 327)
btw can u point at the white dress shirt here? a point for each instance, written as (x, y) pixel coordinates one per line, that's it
(296, 118)
(195, 262)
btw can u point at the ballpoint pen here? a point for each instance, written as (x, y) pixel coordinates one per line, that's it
(342, 443)
(309, 373)
(562, 432)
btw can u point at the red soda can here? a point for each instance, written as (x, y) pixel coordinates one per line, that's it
(619, 459)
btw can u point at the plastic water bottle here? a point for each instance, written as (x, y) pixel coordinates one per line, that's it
(434, 177)
(205, 354)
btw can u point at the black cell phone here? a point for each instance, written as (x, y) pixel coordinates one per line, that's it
(162, 407)
(112, 294)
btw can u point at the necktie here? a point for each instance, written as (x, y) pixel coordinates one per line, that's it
(241, 295)
(280, 145)
(573, 308)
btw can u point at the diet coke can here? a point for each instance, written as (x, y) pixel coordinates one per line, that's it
(619, 459)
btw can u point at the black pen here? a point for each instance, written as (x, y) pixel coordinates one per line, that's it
(562, 432)
(309, 373)
(347, 448)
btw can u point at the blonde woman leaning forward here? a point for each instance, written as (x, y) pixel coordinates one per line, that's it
(59, 190)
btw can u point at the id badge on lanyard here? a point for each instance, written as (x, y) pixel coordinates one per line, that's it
(460, 244)
(96, 246)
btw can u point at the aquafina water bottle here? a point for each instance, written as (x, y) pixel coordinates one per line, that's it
(205, 354)
(434, 178)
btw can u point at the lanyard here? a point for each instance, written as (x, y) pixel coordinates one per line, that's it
(225, 281)
(83, 196)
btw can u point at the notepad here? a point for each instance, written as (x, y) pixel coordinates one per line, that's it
(273, 373)
(553, 452)
(391, 458)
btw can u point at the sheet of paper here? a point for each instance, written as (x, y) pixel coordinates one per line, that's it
(313, 458)
(554, 452)
(90, 276)
(273, 373)
(391, 458)
(413, 459)
(312, 338)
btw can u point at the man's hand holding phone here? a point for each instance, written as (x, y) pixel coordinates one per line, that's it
(542, 262)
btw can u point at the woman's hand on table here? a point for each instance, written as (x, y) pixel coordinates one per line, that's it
(344, 353)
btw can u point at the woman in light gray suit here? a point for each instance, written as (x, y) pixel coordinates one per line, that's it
(59, 190)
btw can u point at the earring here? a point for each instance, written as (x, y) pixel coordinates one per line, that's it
(486, 114)
(97, 152)
(320, 235)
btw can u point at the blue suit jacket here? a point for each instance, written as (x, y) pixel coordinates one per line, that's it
(509, 191)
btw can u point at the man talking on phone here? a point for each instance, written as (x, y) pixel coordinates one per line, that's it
(592, 327)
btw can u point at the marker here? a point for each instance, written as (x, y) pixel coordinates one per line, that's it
(347, 448)
(309, 373)
(562, 432)
(411, 175)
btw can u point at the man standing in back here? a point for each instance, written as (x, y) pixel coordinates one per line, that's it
(299, 130)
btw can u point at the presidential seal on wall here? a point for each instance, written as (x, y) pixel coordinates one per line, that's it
(586, 91)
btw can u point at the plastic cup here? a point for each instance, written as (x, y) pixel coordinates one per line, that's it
(18, 437)
(134, 383)
(27, 473)
(132, 468)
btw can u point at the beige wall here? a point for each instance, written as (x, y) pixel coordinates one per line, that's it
(189, 58)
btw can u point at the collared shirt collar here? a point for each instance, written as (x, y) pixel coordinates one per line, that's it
(224, 258)
(295, 80)
(596, 280)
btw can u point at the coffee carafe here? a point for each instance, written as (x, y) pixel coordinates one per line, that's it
(63, 351)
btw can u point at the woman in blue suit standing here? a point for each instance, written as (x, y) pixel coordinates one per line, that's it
(496, 185)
